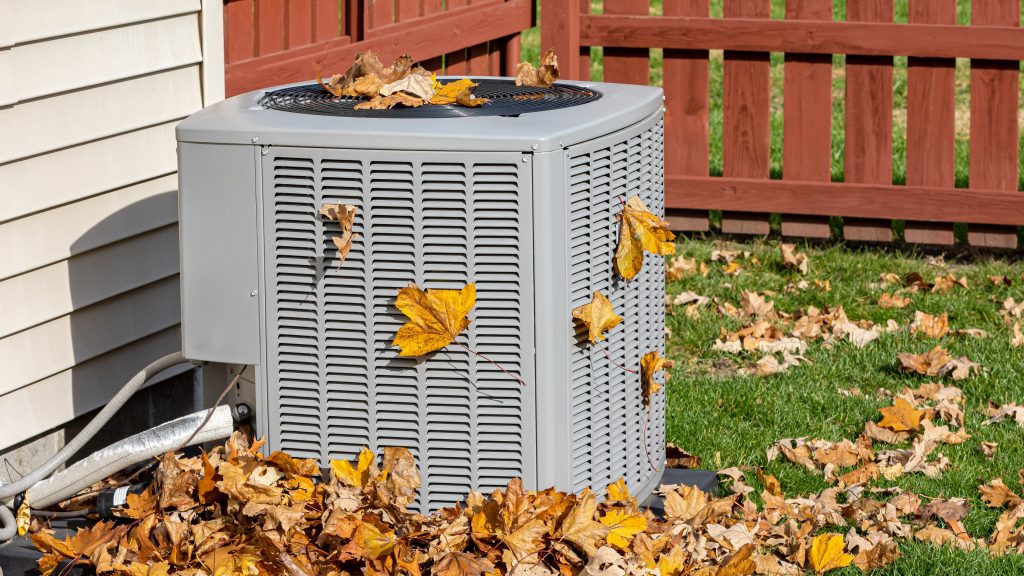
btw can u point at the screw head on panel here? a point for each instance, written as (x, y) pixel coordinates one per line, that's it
(534, 146)
(252, 293)
(255, 139)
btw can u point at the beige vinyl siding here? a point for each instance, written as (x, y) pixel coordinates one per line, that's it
(90, 93)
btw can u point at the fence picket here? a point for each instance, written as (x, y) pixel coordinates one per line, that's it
(868, 154)
(239, 37)
(931, 116)
(298, 23)
(994, 131)
(457, 63)
(325, 20)
(379, 13)
(807, 119)
(433, 7)
(746, 117)
(626, 65)
(685, 81)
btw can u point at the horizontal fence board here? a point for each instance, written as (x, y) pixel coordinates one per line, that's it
(59, 344)
(50, 402)
(807, 37)
(846, 199)
(77, 117)
(54, 235)
(422, 38)
(98, 57)
(32, 20)
(58, 289)
(42, 182)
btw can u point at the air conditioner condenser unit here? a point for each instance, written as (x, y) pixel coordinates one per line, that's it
(518, 196)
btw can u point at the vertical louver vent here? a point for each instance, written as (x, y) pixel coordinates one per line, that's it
(607, 414)
(335, 382)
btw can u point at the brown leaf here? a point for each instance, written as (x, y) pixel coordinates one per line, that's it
(462, 564)
(989, 449)
(930, 363)
(893, 301)
(388, 102)
(793, 259)
(997, 413)
(676, 457)
(930, 326)
(997, 494)
(345, 215)
(546, 75)
(650, 364)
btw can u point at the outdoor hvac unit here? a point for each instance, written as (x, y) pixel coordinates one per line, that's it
(519, 196)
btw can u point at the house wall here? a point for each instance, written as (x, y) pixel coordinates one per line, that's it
(89, 96)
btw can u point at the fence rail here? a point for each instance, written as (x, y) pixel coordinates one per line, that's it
(270, 42)
(867, 199)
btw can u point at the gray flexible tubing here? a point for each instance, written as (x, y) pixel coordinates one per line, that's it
(147, 444)
(8, 527)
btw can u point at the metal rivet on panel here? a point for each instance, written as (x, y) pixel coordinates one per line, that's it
(252, 293)
(255, 139)
(534, 146)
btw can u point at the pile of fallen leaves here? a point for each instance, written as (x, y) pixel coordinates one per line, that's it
(235, 511)
(406, 83)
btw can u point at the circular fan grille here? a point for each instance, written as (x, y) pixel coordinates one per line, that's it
(506, 99)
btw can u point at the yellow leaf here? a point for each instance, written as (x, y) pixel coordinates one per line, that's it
(598, 316)
(650, 364)
(579, 526)
(619, 492)
(673, 563)
(358, 475)
(374, 542)
(457, 92)
(827, 553)
(24, 517)
(623, 527)
(640, 232)
(901, 416)
(239, 565)
(436, 317)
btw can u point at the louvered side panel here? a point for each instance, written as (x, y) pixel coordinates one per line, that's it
(440, 220)
(294, 250)
(608, 414)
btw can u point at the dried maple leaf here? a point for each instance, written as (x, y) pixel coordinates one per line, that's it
(901, 416)
(997, 494)
(419, 85)
(997, 413)
(389, 102)
(793, 259)
(740, 563)
(640, 231)
(597, 315)
(623, 526)
(462, 564)
(579, 527)
(1017, 339)
(685, 502)
(239, 565)
(676, 457)
(344, 215)
(436, 318)
(546, 75)
(989, 449)
(458, 92)
(650, 364)
(358, 475)
(930, 326)
(827, 553)
(946, 283)
(930, 363)
(887, 300)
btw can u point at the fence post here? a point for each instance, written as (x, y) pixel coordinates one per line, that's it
(807, 119)
(931, 116)
(868, 120)
(994, 138)
(685, 81)
(746, 117)
(560, 29)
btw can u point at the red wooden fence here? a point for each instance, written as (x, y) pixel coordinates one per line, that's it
(270, 42)
(867, 199)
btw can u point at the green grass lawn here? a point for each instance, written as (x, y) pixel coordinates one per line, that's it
(731, 420)
(531, 48)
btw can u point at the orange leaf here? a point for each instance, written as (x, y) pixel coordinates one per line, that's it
(901, 416)
(598, 316)
(436, 318)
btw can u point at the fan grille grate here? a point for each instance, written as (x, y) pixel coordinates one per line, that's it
(506, 99)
